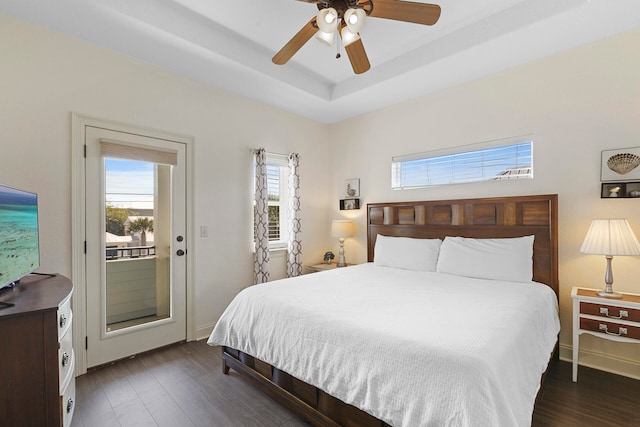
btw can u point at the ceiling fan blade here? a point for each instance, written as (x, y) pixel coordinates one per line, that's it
(407, 11)
(296, 43)
(358, 57)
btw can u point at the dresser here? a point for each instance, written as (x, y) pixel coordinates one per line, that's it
(37, 381)
(607, 318)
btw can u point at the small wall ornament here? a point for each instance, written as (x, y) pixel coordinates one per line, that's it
(351, 195)
(620, 190)
(620, 165)
(349, 204)
(352, 188)
(620, 173)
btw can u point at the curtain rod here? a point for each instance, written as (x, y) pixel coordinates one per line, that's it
(283, 156)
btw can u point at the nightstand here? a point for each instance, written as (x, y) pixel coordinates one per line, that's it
(612, 319)
(323, 266)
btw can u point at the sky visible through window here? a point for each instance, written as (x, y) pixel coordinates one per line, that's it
(471, 166)
(129, 183)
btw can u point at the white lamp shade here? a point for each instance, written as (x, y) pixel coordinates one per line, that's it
(327, 20)
(326, 38)
(348, 37)
(354, 18)
(342, 228)
(610, 237)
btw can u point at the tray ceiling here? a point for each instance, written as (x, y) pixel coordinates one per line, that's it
(230, 44)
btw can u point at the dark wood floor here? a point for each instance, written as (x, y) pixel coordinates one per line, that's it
(183, 386)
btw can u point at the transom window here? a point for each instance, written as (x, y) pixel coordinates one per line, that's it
(497, 160)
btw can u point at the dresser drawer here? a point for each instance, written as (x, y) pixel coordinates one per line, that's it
(65, 358)
(64, 317)
(610, 328)
(68, 402)
(609, 311)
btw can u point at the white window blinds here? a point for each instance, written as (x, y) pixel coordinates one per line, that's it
(277, 171)
(274, 200)
(496, 160)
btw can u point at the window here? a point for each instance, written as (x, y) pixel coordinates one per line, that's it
(496, 160)
(277, 185)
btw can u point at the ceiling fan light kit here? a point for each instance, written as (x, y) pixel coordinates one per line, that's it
(354, 18)
(326, 38)
(328, 20)
(348, 16)
(348, 37)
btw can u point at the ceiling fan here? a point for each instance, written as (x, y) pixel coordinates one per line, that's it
(345, 18)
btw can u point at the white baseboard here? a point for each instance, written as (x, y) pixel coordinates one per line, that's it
(604, 362)
(203, 332)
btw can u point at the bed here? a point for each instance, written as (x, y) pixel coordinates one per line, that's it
(392, 342)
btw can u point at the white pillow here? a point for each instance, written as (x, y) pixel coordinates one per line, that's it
(510, 260)
(406, 253)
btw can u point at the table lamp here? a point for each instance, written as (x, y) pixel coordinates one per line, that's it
(610, 237)
(342, 228)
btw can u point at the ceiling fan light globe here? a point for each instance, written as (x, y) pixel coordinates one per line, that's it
(348, 37)
(326, 38)
(330, 17)
(354, 18)
(327, 20)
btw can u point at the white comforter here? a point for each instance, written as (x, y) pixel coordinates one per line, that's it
(410, 348)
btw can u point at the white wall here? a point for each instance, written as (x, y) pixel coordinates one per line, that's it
(46, 76)
(575, 104)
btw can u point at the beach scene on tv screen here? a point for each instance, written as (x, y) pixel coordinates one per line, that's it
(18, 234)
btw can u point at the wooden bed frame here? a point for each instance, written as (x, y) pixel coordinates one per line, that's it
(481, 218)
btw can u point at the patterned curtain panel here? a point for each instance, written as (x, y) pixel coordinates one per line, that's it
(294, 245)
(261, 266)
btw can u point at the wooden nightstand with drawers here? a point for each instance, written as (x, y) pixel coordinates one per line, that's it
(608, 318)
(323, 267)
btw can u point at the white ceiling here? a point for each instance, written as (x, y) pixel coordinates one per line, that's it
(230, 44)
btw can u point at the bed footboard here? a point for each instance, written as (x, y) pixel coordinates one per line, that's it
(309, 402)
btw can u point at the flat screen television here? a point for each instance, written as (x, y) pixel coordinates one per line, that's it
(19, 244)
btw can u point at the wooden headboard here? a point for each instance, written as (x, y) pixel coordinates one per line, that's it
(480, 218)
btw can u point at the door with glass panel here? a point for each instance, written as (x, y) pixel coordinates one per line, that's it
(136, 247)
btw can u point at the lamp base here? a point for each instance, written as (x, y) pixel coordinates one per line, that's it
(341, 261)
(609, 294)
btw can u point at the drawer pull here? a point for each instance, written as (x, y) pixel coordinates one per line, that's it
(65, 359)
(605, 311)
(63, 320)
(69, 405)
(621, 330)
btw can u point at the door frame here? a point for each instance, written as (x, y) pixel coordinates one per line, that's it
(78, 224)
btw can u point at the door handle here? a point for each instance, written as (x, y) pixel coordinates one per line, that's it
(180, 252)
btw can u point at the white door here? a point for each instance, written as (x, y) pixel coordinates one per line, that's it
(136, 243)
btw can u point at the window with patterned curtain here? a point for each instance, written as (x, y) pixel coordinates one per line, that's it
(277, 186)
(261, 219)
(281, 182)
(294, 244)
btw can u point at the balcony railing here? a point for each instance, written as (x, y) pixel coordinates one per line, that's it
(132, 252)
